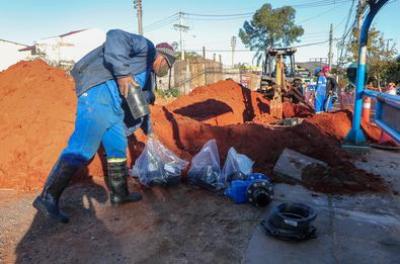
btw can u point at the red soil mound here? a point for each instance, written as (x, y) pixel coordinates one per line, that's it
(315, 137)
(295, 110)
(222, 103)
(37, 114)
(37, 109)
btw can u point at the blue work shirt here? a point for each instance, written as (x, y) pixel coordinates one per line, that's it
(320, 88)
(122, 54)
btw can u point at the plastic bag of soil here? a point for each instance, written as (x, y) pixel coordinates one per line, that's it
(205, 170)
(157, 165)
(237, 166)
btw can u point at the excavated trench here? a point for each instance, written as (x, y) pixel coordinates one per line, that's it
(37, 111)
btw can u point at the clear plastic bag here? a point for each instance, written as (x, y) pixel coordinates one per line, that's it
(205, 170)
(236, 167)
(157, 165)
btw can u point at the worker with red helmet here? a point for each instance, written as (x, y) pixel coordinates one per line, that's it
(105, 79)
(325, 92)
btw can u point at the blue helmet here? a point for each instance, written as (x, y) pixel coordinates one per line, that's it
(317, 71)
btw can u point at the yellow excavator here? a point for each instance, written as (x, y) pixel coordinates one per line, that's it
(279, 80)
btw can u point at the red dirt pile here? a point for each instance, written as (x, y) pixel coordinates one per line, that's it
(37, 114)
(264, 144)
(295, 110)
(37, 108)
(343, 177)
(222, 103)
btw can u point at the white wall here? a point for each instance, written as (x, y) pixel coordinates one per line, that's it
(10, 55)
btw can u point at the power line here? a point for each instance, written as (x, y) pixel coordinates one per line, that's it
(346, 31)
(246, 50)
(217, 18)
(316, 16)
(223, 17)
(218, 15)
(315, 43)
(181, 28)
(163, 21)
(340, 23)
(323, 13)
(319, 3)
(319, 33)
(357, 22)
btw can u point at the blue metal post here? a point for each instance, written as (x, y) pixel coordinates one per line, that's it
(356, 135)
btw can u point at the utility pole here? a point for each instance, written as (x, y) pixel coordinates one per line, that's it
(181, 28)
(233, 46)
(330, 55)
(138, 6)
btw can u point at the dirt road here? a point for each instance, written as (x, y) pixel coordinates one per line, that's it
(175, 225)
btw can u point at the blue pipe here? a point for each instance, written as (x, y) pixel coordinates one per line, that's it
(375, 94)
(356, 135)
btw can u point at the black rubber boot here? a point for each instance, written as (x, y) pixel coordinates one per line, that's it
(116, 180)
(57, 181)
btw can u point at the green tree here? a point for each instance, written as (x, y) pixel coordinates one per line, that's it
(379, 53)
(270, 28)
(392, 72)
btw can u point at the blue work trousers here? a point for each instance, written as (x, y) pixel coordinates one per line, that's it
(99, 119)
(322, 102)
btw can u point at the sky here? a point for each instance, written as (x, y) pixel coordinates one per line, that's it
(25, 21)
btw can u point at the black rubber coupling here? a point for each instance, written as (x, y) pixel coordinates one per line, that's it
(291, 221)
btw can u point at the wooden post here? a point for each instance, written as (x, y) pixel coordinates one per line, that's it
(204, 68)
(187, 78)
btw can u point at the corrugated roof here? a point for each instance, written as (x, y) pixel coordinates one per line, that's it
(72, 32)
(61, 36)
(67, 34)
(13, 42)
(27, 48)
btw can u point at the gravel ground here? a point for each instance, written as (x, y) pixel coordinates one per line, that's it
(170, 225)
(174, 225)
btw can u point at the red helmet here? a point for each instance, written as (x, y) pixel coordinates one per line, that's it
(326, 69)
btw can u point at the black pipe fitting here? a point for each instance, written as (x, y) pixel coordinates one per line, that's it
(291, 221)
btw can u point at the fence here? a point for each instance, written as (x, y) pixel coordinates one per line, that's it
(196, 72)
(346, 100)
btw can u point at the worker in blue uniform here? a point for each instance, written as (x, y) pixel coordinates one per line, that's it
(320, 91)
(325, 91)
(102, 80)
